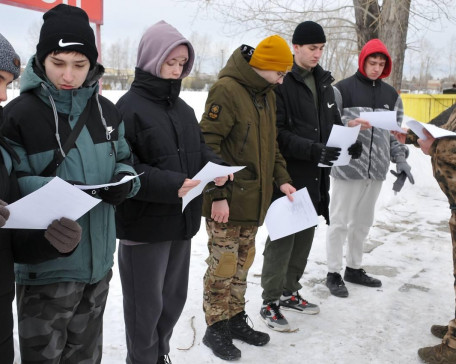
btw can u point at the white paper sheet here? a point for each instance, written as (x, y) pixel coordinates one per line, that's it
(207, 174)
(54, 200)
(285, 217)
(417, 127)
(342, 137)
(382, 119)
(95, 187)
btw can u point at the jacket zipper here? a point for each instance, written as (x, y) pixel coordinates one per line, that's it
(372, 133)
(245, 139)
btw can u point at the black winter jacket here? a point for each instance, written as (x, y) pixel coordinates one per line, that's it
(300, 125)
(169, 147)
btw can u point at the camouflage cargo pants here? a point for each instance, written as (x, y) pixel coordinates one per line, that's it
(450, 337)
(62, 322)
(231, 254)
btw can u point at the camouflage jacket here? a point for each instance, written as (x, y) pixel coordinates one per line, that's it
(443, 159)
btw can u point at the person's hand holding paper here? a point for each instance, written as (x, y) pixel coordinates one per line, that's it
(343, 138)
(382, 119)
(207, 174)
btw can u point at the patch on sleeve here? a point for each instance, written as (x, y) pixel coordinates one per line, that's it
(214, 111)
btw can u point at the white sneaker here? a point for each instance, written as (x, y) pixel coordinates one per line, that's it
(273, 318)
(295, 302)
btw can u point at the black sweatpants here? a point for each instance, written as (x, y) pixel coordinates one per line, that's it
(154, 284)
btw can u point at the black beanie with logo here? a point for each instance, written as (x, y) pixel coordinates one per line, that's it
(66, 28)
(308, 32)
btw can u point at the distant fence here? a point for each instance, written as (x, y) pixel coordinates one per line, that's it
(425, 107)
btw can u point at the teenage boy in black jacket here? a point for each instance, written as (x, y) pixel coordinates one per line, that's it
(306, 113)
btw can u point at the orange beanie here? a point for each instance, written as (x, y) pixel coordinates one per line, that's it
(272, 53)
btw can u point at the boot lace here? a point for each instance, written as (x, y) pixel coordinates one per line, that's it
(338, 279)
(276, 310)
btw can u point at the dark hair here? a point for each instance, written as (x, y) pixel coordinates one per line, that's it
(378, 54)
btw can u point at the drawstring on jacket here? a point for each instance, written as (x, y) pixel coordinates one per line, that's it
(56, 118)
(108, 129)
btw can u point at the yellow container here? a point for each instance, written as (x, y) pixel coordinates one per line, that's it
(425, 107)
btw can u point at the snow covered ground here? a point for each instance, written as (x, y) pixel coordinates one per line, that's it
(409, 249)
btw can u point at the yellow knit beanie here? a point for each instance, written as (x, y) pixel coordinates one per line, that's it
(272, 53)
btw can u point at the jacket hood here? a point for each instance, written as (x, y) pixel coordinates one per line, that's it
(65, 101)
(34, 75)
(375, 46)
(157, 43)
(238, 68)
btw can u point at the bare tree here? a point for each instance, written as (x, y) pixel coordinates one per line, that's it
(353, 21)
(118, 57)
(201, 45)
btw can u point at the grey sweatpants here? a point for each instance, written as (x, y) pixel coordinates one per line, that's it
(154, 284)
(62, 323)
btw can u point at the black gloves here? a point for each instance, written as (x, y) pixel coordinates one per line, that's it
(115, 195)
(355, 150)
(78, 183)
(323, 154)
(4, 213)
(64, 234)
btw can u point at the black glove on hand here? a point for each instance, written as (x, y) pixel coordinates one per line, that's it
(115, 195)
(92, 192)
(355, 150)
(403, 166)
(325, 155)
(4, 213)
(64, 234)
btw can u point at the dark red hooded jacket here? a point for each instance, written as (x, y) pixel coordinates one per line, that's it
(371, 47)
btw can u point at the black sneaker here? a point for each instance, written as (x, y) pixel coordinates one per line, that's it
(294, 302)
(164, 359)
(241, 330)
(218, 338)
(359, 276)
(273, 318)
(336, 285)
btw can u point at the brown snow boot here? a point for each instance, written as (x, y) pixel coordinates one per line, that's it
(439, 330)
(439, 354)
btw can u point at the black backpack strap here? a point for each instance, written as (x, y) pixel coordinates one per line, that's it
(58, 156)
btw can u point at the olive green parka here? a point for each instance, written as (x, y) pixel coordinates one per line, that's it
(239, 124)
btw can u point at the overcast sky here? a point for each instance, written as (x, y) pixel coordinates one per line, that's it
(129, 18)
(125, 18)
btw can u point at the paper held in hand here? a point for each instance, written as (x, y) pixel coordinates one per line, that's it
(207, 174)
(382, 119)
(417, 127)
(285, 217)
(342, 137)
(124, 179)
(54, 200)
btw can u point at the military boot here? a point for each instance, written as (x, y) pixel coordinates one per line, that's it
(439, 330)
(241, 330)
(439, 354)
(218, 338)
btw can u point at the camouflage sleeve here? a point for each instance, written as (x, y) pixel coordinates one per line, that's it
(443, 150)
(411, 138)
